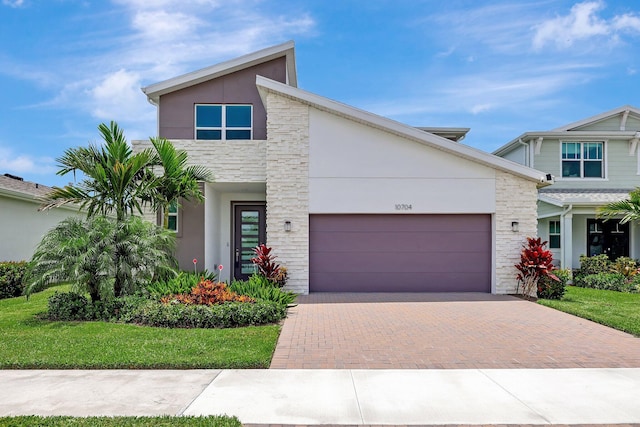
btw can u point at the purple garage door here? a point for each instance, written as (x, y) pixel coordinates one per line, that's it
(400, 253)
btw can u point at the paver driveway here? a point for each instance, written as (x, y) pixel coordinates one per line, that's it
(401, 331)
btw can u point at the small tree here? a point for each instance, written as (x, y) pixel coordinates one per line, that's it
(629, 208)
(535, 263)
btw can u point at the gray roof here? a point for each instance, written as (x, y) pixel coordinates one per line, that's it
(23, 189)
(563, 197)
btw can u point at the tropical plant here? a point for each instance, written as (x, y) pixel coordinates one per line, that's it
(181, 283)
(101, 256)
(207, 292)
(261, 288)
(116, 181)
(266, 263)
(629, 208)
(178, 180)
(536, 262)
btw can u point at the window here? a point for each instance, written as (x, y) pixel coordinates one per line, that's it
(218, 122)
(172, 220)
(554, 234)
(582, 160)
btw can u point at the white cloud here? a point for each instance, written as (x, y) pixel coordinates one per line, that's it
(12, 162)
(118, 97)
(583, 23)
(13, 3)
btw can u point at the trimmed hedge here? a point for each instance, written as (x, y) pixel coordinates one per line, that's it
(70, 306)
(11, 275)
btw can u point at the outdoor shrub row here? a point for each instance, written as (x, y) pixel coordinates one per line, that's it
(135, 309)
(11, 275)
(599, 272)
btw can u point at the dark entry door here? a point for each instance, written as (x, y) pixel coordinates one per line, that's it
(607, 237)
(249, 231)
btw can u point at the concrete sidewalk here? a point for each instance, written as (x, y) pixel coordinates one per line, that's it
(470, 396)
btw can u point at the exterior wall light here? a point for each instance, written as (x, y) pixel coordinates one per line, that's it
(515, 227)
(287, 226)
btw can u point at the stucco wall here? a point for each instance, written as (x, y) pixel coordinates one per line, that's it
(516, 200)
(355, 168)
(176, 110)
(288, 187)
(22, 227)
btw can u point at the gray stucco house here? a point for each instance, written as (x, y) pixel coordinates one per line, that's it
(349, 200)
(594, 161)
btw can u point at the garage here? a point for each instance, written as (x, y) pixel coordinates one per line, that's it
(399, 253)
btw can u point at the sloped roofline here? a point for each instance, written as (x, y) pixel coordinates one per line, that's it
(599, 117)
(567, 132)
(286, 50)
(478, 156)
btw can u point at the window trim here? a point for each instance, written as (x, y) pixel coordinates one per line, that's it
(605, 169)
(223, 128)
(559, 234)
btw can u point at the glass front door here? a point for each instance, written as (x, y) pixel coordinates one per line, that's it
(249, 232)
(607, 237)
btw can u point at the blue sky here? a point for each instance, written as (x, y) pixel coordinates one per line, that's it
(499, 67)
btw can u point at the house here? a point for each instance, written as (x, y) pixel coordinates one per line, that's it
(22, 225)
(595, 161)
(349, 200)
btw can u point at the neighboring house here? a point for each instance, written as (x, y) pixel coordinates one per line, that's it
(350, 201)
(594, 161)
(22, 225)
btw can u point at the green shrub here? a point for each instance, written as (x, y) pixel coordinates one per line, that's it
(261, 288)
(153, 313)
(626, 266)
(549, 288)
(608, 281)
(11, 275)
(591, 265)
(69, 306)
(181, 283)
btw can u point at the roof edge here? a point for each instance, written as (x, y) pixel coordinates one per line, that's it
(267, 85)
(287, 50)
(599, 117)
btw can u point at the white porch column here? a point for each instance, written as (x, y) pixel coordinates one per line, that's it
(566, 231)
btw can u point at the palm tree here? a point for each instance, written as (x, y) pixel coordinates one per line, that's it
(178, 180)
(629, 208)
(115, 180)
(101, 256)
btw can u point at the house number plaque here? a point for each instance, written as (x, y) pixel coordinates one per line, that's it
(403, 207)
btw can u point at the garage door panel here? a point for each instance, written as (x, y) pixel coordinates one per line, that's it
(409, 223)
(402, 282)
(393, 253)
(401, 261)
(462, 241)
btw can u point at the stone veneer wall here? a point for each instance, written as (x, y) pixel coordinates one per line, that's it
(516, 200)
(229, 161)
(288, 187)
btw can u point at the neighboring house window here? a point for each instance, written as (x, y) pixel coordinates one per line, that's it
(554, 234)
(172, 220)
(218, 122)
(582, 160)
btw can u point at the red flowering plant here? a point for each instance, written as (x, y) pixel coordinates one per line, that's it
(536, 262)
(267, 266)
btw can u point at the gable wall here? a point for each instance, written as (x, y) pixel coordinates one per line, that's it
(354, 168)
(622, 169)
(176, 109)
(610, 124)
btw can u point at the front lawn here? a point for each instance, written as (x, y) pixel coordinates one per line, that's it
(29, 343)
(618, 310)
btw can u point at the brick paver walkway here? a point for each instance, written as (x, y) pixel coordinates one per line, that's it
(447, 331)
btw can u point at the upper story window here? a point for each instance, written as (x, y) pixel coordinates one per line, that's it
(582, 160)
(219, 122)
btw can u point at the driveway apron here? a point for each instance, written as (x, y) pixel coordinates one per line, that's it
(444, 331)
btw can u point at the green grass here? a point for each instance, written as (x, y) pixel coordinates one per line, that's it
(618, 310)
(30, 343)
(30, 421)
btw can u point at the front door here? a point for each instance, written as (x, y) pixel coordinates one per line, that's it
(249, 231)
(607, 237)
